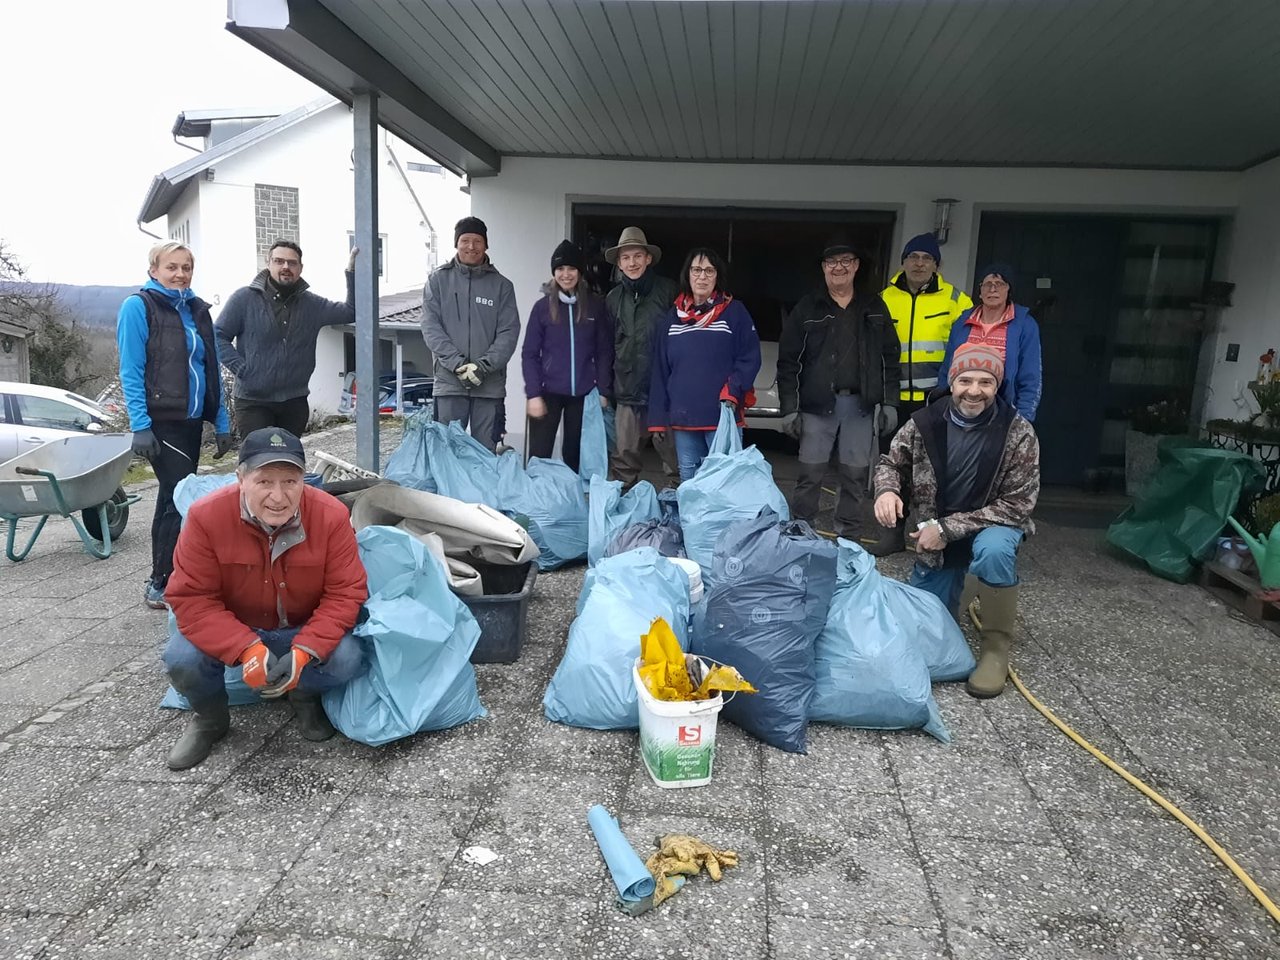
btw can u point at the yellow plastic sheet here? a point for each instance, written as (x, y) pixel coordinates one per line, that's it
(665, 671)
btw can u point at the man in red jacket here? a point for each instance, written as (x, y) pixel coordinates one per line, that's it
(266, 577)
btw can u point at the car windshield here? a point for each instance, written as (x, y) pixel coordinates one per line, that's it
(76, 398)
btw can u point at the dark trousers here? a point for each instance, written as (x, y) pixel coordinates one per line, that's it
(291, 415)
(179, 454)
(542, 431)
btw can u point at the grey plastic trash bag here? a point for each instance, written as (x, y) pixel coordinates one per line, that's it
(663, 535)
(610, 511)
(418, 637)
(771, 587)
(869, 671)
(620, 598)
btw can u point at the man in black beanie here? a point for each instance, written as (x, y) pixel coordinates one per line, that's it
(471, 325)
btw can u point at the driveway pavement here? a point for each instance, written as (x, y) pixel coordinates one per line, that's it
(1009, 843)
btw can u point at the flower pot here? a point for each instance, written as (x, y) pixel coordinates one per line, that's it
(1140, 461)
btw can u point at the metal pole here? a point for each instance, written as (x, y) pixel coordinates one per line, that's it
(365, 116)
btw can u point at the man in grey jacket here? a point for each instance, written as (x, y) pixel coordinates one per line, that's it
(471, 326)
(267, 338)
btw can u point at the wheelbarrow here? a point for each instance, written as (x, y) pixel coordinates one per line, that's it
(75, 477)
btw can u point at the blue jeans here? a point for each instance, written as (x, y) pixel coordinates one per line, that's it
(692, 447)
(990, 555)
(199, 677)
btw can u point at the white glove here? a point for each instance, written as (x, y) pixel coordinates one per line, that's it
(468, 373)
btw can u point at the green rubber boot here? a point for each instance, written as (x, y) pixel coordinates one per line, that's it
(997, 617)
(209, 723)
(313, 722)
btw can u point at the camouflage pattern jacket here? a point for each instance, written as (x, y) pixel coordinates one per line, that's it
(1009, 475)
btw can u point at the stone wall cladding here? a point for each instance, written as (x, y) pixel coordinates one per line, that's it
(275, 214)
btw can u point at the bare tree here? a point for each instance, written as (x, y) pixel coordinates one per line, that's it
(59, 349)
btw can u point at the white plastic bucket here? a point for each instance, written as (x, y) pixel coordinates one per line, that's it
(694, 574)
(678, 738)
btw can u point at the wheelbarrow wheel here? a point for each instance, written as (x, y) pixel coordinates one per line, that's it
(117, 516)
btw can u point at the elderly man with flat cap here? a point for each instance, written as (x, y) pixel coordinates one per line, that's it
(266, 577)
(639, 302)
(972, 463)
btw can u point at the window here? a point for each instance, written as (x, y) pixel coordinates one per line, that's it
(382, 250)
(182, 232)
(425, 167)
(50, 414)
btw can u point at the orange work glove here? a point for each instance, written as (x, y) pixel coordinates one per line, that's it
(286, 673)
(254, 664)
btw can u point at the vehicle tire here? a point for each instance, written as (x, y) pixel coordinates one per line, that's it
(117, 517)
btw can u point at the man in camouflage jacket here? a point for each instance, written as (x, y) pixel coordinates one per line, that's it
(972, 464)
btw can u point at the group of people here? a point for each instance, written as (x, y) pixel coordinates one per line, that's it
(265, 575)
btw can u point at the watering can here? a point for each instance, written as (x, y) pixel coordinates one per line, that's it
(1266, 553)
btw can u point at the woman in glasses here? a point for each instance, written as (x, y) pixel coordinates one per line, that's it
(996, 321)
(705, 354)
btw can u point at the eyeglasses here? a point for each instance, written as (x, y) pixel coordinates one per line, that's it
(845, 263)
(702, 271)
(280, 262)
(921, 258)
(994, 285)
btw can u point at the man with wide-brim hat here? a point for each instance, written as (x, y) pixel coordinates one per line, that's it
(639, 302)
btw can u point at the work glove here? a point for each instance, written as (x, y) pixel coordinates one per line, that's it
(792, 426)
(483, 368)
(286, 673)
(886, 420)
(468, 373)
(221, 445)
(145, 444)
(255, 662)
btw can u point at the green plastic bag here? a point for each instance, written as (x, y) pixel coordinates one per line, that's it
(1173, 525)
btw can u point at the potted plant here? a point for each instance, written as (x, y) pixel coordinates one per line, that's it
(1147, 425)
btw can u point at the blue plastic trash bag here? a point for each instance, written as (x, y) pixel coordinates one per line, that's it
(463, 468)
(194, 486)
(728, 487)
(870, 673)
(771, 587)
(611, 511)
(669, 504)
(418, 638)
(546, 498)
(409, 465)
(620, 598)
(630, 875)
(663, 535)
(934, 631)
(239, 693)
(593, 451)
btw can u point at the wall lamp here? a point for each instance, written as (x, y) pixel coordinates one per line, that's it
(942, 217)
(7, 342)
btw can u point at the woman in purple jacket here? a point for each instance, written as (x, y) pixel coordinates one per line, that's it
(568, 350)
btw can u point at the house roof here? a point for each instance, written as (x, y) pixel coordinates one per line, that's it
(166, 187)
(1175, 84)
(401, 308)
(197, 123)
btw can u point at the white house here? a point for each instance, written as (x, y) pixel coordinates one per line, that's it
(1123, 161)
(261, 176)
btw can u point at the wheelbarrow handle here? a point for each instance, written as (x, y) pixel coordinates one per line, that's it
(27, 471)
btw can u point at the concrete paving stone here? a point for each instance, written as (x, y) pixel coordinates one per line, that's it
(14, 715)
(462, 762)
(736, 790)
(980, 796)
(821, 938)
(1030, 900)
(59, 671)
(251, 726)
(835, 856)
(149, 948)
(36, 780)
(18, 610)
(260, 820)
(104, 601)
(334, 903)
(23, 936)
(523, 925)
(125, 718)
(839, 758)
(275, 946)
(970, 726)
(287, 742)
(559, 745)
(49, 629)
(143, 628)
(1175, 894)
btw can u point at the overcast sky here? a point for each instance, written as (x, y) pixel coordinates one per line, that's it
(91, 90)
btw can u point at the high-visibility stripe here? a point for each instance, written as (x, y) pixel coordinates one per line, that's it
(926, 346)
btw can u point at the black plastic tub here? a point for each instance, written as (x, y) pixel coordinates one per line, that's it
(502, 611)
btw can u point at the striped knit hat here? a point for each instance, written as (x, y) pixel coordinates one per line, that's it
(976, 356)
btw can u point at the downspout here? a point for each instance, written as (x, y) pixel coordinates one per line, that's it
(431, 230)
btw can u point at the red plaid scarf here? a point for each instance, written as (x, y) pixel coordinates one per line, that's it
(701, 314)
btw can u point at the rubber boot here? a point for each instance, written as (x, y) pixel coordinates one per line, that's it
(313, 723)
(209, 723)
(967, 596)
(998, 614)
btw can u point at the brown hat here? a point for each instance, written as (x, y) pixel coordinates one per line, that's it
(976, 356)
(632, 237)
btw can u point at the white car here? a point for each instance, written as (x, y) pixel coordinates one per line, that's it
(31, 414)
(766, 414)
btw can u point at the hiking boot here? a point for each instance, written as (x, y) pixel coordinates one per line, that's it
(313, 723)
(153, 596)
(997, 609)
(209, 723)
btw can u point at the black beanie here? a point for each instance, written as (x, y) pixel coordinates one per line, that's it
(470, 225)
(1001, 270)
(567, 255)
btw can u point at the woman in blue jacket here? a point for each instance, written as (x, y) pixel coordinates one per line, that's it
(568, 350)
(169, 377)
(1008, 327)
(706, 354)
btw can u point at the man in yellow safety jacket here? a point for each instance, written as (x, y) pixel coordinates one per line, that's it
(923, 307)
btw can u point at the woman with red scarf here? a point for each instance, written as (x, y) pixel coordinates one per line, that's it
(705, 354)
